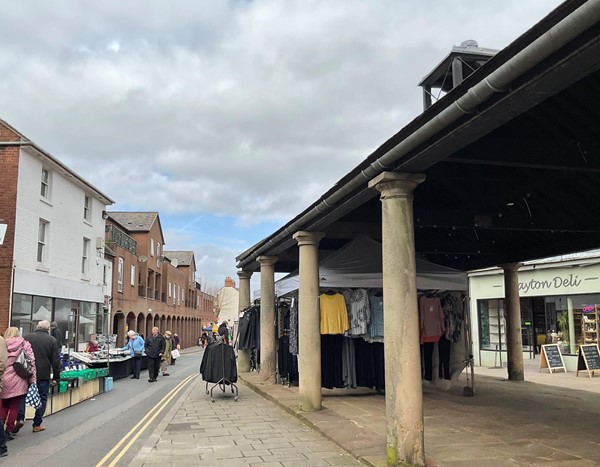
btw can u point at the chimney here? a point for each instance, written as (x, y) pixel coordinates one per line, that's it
(462, 60)
(229, 282)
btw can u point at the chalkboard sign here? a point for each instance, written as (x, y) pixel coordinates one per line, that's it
(552, 358)
(589, 358)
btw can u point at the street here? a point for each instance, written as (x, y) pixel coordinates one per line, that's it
(85, 433)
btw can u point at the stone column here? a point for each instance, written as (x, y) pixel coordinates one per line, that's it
(309, 333)
(268, 342)
(403, 387)
(243, 360)
(512, 312)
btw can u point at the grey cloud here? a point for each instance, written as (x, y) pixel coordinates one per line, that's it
(178, 106)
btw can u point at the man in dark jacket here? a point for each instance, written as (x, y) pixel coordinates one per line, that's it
(47, 367)
(155, 347)
(55, 332)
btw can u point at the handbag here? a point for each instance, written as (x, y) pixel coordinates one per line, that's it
(137, 353)
(175, 353)
(23, 365)
(33, 396)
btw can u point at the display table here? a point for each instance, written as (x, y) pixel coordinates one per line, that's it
(117, 362)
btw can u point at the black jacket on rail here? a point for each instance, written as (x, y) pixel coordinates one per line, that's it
(218, 364)
(249, 328)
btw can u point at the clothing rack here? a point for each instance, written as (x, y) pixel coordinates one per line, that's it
(219, 367)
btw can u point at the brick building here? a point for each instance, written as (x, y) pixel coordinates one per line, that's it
(151, 286)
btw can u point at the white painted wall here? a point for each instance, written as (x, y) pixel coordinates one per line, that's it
(60, 275)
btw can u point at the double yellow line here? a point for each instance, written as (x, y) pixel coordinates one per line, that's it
(141, 426)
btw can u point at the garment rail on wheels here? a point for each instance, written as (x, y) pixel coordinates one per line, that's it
(219, 367)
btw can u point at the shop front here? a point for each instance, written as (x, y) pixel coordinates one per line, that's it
(560, 304)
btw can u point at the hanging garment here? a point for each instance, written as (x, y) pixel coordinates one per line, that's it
(375, 333)
(453, 317)
(334, 316)
(331, 361)
(359, 311)
(294, 326)
(249, 328)
(348, 363)
(218, 364)
(431, 319)
(428, 360)
(444, 346)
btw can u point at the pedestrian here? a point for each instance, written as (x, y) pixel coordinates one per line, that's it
(47, 366)
(155, 348)
(135, 346)
(175, 346)
(14, 387)
(3, 361)
(55, 331)
(224, 332)
(166, 358)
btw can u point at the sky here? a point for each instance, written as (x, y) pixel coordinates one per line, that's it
(228, 117)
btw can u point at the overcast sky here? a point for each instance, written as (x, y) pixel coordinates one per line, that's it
(228, 117)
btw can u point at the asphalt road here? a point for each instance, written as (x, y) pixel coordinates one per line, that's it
(85, 433)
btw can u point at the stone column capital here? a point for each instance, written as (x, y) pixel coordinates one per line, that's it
(266, 260)
(308, 238)
(244, 275)
(511, 267)
(395, 185)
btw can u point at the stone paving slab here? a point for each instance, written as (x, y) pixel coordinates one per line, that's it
(249, 432)
(549, 422)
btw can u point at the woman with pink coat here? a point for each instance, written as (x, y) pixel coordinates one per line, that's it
(14, 388)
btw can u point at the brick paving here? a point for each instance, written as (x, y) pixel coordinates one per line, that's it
(250, 432)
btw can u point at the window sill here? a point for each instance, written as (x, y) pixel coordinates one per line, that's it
(42, 268)
(46, 201)
(86, 222)
(85, 278)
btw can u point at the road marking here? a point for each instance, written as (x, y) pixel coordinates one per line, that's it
(157, 409)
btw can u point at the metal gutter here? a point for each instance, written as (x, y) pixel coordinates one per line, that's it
(497, 81)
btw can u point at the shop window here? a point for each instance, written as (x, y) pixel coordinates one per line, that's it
(21, 313)
(61, 316)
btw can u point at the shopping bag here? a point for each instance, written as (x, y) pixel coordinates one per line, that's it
(33, 397)
(175, 353)
(23, 365)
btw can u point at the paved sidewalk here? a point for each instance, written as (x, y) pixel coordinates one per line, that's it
(249, 432)
(551, 422)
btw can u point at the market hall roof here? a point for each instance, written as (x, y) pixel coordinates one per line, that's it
(511, 157)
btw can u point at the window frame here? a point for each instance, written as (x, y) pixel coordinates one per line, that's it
(85, 256)
(120, 266)
(87, 208)
(45, 184)
(42, 243)
(132, 280)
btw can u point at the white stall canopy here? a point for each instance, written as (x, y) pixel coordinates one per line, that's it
(359, 265)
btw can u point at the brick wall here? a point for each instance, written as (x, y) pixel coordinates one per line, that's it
(9, 167)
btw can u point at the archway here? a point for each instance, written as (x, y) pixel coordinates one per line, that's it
(118, 327)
